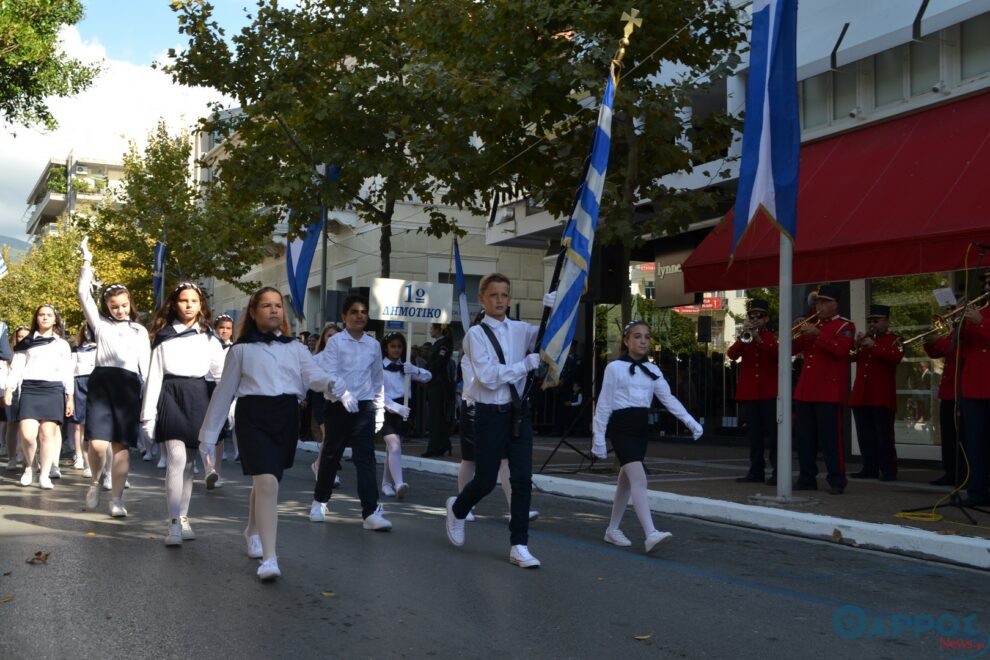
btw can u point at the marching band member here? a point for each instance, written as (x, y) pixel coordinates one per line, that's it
(946, 348)
(821, 391)
(874, 395)
(975, 405)
(756, 389)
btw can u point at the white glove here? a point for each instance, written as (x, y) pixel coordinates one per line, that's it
(349, 402)
(379, 422)
(410, 368)
(598, 448)
(549, 299)
(148, 426)
(532, 361)
(696, 432)
(402, 411)
(84, 249)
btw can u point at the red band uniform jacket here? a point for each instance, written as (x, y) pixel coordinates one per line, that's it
(944, 348)
(976, 358)
(758, 370)
(876, 367)
(825, 373)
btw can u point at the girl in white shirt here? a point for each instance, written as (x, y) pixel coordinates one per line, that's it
(10, 435)
(396, 411)
(268, 372)
(223, 325)
(621, 415)
(83, 363)
(42, 370)
(184, 350)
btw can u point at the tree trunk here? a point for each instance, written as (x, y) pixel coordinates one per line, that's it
(385, 244)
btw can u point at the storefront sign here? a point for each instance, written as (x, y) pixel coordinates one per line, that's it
(670, 280)
(708, 304)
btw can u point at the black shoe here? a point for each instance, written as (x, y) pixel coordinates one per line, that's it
(835, 490)
(863, 474)
(888, 477)
(772, 481)
(749, 479)
(800, 486)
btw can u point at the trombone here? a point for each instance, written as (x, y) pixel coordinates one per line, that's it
(799, 326)
(944, 322)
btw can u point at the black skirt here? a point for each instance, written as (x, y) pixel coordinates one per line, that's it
(629, 431)
(43, 400)
(79, 399)
(267, 430)
(10, 412)
(394, 424)
(113, 406)
(181, 409)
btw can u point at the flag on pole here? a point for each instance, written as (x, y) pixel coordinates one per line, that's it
(3, 267)
(768, 174)
(462, 302)
(298, 259)
(158, 276)
(578, 238)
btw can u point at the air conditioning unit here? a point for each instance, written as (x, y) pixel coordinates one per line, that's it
(82, 169)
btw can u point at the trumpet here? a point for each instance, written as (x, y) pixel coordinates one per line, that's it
(858, 344)
(798, 328)
(944, 322)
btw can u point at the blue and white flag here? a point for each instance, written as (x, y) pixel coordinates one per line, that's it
(158, 275)
(3, 267)
(768, 174)
(462, 302)
(298, 259)
(578, 238)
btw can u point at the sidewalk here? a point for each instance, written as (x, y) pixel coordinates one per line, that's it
(698, 480)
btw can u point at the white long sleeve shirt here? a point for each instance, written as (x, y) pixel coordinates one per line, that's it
(355, 366)
(192, 356)
(83, 362)
(492, 379)
(395, 383)
(620, 389)
(260, 369)
(50, 362)
(121, 344)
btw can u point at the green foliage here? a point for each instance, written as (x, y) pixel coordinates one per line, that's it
(32, 66)
(57, 180)
(670, 331)
(48, 274)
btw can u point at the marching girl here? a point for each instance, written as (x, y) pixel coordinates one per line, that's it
(396, 411)
(223, 325)
(353, 361)
(621, 414)
(318, 404)
(10, 435)
(113, 391)
(83, 363)
(268, 372)
(42, 370)
(184, 350)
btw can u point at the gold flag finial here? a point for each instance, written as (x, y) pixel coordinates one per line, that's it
(632, 21)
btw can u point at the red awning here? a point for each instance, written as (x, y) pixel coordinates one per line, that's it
(902, 197)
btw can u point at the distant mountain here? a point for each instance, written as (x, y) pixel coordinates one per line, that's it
(18, 248)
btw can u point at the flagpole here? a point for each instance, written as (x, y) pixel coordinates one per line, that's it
(784, 382)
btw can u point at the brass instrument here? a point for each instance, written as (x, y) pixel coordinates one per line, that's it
(746, 336)
(858, 344)
(798, 328)
(944, 322)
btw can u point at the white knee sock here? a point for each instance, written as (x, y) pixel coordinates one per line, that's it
(621, 500)
(465, 473)
(176, 467)
(503, 476)
(393, 460)
(266, 512)
(640, 499)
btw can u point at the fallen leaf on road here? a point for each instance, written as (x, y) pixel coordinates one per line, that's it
(39, 558)
(836, 535)
(642, 638)
(6, 599)
(327, 594)
(90, 533)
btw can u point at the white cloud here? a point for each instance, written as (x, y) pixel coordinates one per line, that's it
(124, 103)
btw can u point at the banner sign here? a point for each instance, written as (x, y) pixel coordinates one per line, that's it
(406, 300)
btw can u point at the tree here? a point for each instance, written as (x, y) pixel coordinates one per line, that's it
(32, 65)
(208, 232)
(447, 100)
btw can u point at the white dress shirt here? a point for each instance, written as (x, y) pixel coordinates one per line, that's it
(51, 362)
(620, 389)
(191, 356)
(492, 379)
(260, 369)
(467, 377)
(83, 362)
(121, 344)
(395, 383)
(355, 366)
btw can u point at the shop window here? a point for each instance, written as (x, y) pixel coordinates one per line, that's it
(814, 97)
(844, 98)
(924, 65)
(975, 46)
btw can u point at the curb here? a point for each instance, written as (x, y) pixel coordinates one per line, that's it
(898, 539)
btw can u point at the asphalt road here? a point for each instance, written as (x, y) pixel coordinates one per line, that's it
(110, 589)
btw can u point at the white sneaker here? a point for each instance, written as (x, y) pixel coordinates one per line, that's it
(254, 550)
(161, 462)
(455, 527)
(117, 509)
(195, 469)
(616, 537)
(127, 483)
(655, 538)
(388, 490)
(211, 480)
(218, 484)
(45, 482)
(470, 517)
(87, 473)
(402, 491)
(187, 530)
(27, 477)
(377, 522)
(269, 570)
(519, 555)
(336, 481)
(93, 497)
(106, 482)
(318, 511)
(533, 515)
(174, 536)
(55, 472)
(78, 464)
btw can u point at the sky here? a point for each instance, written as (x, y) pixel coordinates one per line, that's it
(124, 103)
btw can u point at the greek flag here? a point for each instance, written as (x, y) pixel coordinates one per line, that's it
(158, 276)
(579, 235)
(462, 302)
(768, 174)
(3, 267)
(298, 259)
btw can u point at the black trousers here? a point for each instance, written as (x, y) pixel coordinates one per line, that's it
(437, 406)
(761, 431)
(493, 441)
(950, 437)
(356, 430)
(976, 425)
(875, 430)
(819, 426)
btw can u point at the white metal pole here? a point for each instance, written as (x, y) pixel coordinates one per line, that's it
(406, 377)
(784, 370)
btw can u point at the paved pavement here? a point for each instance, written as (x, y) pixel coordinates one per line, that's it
(111, 589)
